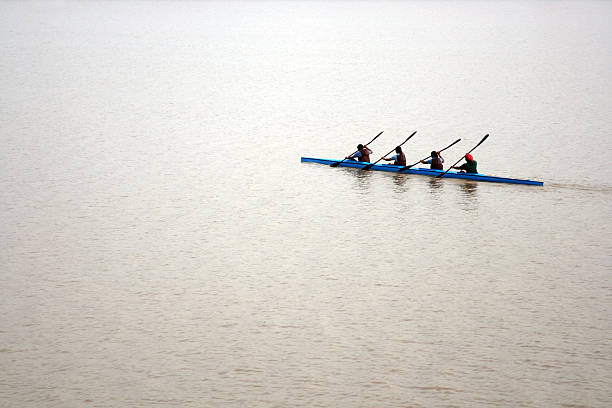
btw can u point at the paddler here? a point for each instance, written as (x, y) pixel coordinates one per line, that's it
(435, 161)
(399, 159)
(362, 154)
(469, 166)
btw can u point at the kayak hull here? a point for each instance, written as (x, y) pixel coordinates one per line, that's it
(426, 172)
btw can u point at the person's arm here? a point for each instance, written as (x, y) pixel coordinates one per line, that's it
(462, 167)
(441, 158)
(426, 161)
(354, 155)
(369, 150)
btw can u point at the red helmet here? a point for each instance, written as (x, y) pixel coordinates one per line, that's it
(469, 157)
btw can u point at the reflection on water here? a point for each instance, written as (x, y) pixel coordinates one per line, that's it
(435, 185)
(363, 178)
(401, 183)
(469, 195)
(469, 188)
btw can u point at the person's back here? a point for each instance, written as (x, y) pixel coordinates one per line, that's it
(470, 165)
(435, 161)
(362, 154)
(365, 154)
(399, 159)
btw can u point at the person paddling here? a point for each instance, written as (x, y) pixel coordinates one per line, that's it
(469, 166)
(362, 154)
(399, 159)
(435, 161)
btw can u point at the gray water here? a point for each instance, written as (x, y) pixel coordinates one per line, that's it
(162, 244)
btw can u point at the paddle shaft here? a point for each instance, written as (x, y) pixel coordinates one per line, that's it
(336, 164)
(369, 166)
(473, 148)
(439, 151)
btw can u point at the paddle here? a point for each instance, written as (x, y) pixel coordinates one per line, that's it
(369, 166)
(336, 164)
(474, 148)
(412, 165)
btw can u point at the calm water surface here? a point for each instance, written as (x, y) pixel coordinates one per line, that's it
(162, 244)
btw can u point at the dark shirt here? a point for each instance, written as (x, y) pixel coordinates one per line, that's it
(469, 167)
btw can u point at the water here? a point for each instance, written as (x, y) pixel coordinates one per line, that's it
(162, 244)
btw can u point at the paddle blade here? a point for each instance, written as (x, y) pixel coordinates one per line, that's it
(368, 167)
(484, 138)
(450, 145)
(376, 137)
(407, 167)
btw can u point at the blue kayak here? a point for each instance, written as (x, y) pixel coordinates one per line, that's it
(425, 172)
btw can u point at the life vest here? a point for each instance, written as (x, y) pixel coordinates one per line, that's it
(401, 160)
(365, 155)
(436, 163)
